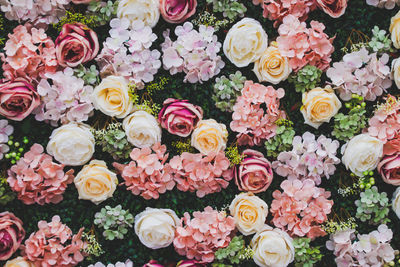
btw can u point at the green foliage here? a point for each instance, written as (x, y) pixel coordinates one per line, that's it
(102, 12)
(231, 9)
(380, 41)
(149, 107)
(373, 206)
(283, 139)
(305, 256)
(232, 153)
(234, 253)
(1, 29)
(6, 194)
(306, 79)
(113, 140)
(93, 247)
(115, 221)
(227, 90)
(208, 19)
(153, 87)
(331, 226)
(89, 75)
(183, 146)
(72, 17)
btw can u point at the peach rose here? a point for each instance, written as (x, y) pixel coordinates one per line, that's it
(19, 262)
(209, 136)
(395, 30)
(177, 11)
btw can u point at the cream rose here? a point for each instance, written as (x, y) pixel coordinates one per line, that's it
(111, 97)
(396, 71)
(95, 182)
(396, 202)
(72, 144)
(319, 106)
(362, 153)
(272, 66)
(209, 136)
(156, 227)
(144, 10)
(395, 30)
(142, 129)
(272, 248)
(245, 42)
(19, 262)
(249, 212)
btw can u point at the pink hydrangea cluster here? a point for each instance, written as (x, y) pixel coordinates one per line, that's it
(29, 54)
(200, 237)
(310, 158)
(249, 119)
(201, 174)
(301, 208)
(5, 131)
(65, 98)
(388, 4)
(37, 179)
(127, 52)
(371, 249)
(54, 245)
(147, 174)
(304, 46)
(361, 73)
(38, 12)
(385, 124)
(193, 52)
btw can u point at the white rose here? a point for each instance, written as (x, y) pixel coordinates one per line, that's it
(111, 97)
(144, 10)
(156, 227)
(95, 182)
(396, 202)
(245, 42)
(272, 248)
(142, 129)
(319, 106)
(272, 66)
(362, 153)
(72, 144)
(396, 71)
(19, 262)
(209, 136)
(395, 30)
(249, 212)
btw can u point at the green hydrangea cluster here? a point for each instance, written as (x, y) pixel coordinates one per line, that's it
(283, 139)
(113, 140)
(380, 41)
(230, 9)
(234, 253)
(331, 226)
(306, 79)
(115, 221)
(346, 126)
(305, 255)
(373, 206)
(208, 19)
(6, 194)
(89, 75)
(226, 90)
(102, 12)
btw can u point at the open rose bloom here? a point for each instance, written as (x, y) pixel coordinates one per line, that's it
(177, 11)
(11, 234)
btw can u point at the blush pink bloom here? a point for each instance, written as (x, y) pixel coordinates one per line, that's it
(254, 174)
(147, 174)
(76, 44)
(392, 146)
(86, 2)
(11, 234)
(153, 263)
(389, 169)
(179, 117)
(334, 8)
(18, 98)
(54, 245)
(37, 179)
(177, 11)
(190, 263)
(200, 237)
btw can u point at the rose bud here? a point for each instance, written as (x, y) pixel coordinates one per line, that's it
(76, 44)
(18, 99)
(177, 11)
(179, 117)
(11, 234)
(254, 174)
(189, 263)
(153, 263)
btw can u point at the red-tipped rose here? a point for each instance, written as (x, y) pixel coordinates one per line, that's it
(11, 234)
(177, 11)
(334, 8)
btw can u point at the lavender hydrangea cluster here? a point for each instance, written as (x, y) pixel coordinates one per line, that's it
(361, 73)
(193, 52)
(310, 158)
(127, 52)
(5, 131)
(65, 98)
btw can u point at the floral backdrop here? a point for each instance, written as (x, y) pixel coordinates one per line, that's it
(199, 133)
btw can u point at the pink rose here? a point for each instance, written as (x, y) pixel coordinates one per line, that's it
(177, 11)
(392, 146)
(389, 168)
(153, 263)
(86, 2)
(76, 44)
(18, 99)
(179, 117)
(11, 234)
(254, 174)
(189, 263)
(334, 8)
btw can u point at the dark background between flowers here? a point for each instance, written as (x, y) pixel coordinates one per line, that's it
(80, 213)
